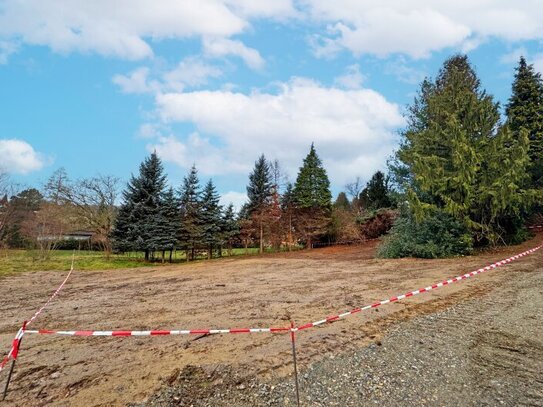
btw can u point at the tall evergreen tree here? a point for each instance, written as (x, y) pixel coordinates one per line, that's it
(312, 187)
(167, 224)
(376, 193)
(342, 202)
(312, 197)
(525, 111)
(259, 194)
(191, 230)
(229, 228)
(211, 218)
(450, 144)
(136, 225)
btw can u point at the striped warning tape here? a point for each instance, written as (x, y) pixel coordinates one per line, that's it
(284, 329)
(12, 354)
(416, 292)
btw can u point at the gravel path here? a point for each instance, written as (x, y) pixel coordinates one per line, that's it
(486, 351)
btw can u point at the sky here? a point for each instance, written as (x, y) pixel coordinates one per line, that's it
(96, 86)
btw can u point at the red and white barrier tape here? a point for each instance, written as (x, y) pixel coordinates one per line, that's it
(38, 312)
(12, 354)
(419, 291)
(285, 329)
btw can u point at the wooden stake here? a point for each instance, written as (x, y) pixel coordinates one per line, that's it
(293, 340)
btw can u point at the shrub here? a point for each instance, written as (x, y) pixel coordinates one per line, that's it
(438, 235)
(377, 223)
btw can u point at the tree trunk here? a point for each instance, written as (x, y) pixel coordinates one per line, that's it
(210, 252)
(171, 253)
(146, 255)
(289, 232)
(246, 246)
(261, 237)
(187, 255)
(163, 256)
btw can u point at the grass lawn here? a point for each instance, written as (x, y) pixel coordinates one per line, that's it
(15, 261)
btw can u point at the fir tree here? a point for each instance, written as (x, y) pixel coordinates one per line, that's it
(376, 193)
(211, 218)
(167, 224)
(229, 228)
(259, 194)
(312, 198)
(190, 232)
(312, 187)
(525, 111)
(137, 222)
(342, 202)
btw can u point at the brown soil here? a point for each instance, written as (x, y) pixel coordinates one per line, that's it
(247, 292)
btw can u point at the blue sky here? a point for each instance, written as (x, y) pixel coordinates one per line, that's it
(94, 87)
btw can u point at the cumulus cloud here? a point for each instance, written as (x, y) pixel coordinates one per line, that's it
(235, 198)
(17, 156)
(417, 28)
(351, 79)
(123, 30)
(191, 72)
(222, 47)
(352, 129)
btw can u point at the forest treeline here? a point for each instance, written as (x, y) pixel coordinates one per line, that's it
(467, 174)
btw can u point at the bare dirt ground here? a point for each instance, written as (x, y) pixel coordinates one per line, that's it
(248, 292)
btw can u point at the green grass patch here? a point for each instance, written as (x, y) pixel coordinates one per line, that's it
(17, 261)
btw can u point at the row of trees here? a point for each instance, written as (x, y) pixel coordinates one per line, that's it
(156, 219)
(41, 219)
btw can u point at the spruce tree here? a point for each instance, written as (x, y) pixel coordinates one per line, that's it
(137, 223)
(525, 111)
(167, 223)
(211, 218)
(229, 227)
(312, 187)
(312, 198)
(259, 194)
(376, 193)
(342, 202)
(190, 232)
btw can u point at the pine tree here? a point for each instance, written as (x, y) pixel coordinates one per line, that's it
(525, 111)
(376, 193)
(211, 218)
(259, 194)
(190, 232)
(312, 197)
(137, 222)
(287, 210)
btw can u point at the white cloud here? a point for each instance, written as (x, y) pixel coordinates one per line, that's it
(222, 47)
(6, 49)
(353, 130)
(236, 198)
(135, 82)
(514, 56)
(17, 156)
(123, 28)
(418, 27)
(401, 69)
(537, 60)
(351, 79)
(191, 72)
